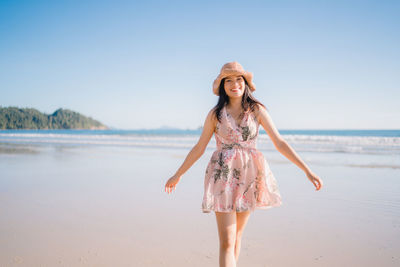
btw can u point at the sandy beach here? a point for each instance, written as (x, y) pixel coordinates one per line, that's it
(105, 206)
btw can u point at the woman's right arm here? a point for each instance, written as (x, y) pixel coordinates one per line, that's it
(194, 154)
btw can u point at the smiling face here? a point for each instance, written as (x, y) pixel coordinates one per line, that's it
(234, 86)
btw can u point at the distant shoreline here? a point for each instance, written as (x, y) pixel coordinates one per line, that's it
(14, 118)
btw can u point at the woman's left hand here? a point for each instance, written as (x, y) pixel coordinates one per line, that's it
(315, 180)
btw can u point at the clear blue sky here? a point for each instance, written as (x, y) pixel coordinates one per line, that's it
(147, 64)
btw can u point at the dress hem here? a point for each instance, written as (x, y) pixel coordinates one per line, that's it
(252, 210)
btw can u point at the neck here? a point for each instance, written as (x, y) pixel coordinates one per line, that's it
(235, 103)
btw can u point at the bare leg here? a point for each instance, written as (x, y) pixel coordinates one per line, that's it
(241, 221)
(227, 238)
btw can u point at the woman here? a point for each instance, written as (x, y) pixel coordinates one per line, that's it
(238, 178)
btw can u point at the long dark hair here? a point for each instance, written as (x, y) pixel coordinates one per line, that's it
(249, 102)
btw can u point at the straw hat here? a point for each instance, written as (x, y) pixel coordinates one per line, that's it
(233, 68)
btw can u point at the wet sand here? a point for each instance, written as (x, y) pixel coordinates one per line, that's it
(106, 206)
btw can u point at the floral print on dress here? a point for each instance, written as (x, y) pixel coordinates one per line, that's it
(238, 177)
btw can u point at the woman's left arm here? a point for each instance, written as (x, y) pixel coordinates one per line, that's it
(284, 148)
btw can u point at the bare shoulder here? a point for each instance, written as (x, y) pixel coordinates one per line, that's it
(207, 132)
(258, 112)
(211, 117)
(267, 123)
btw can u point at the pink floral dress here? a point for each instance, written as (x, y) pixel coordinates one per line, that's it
(238, 177)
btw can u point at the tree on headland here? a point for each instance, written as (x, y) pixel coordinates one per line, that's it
(30, 118)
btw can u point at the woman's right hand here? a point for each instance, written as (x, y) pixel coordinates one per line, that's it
(171, 183)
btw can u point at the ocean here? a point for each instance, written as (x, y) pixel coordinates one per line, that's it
(361, 148)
